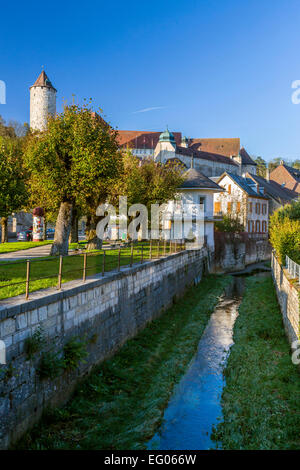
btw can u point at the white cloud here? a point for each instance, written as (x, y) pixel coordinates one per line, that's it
(145, 110)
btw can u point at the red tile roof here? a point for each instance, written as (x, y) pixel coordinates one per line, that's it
(43, 80)
(287, 176)
(142, 139)
(220, 146)
(273, 189)
(211, 149)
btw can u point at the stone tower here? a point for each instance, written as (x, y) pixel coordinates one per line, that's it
(42, 102)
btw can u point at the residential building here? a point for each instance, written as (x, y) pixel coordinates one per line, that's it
(278, 195)
(244, 198)
(287, 176)
(196, 190)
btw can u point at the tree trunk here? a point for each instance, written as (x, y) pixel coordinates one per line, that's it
(62, 230)
(93, 242)
(73, 238)
(4, 233)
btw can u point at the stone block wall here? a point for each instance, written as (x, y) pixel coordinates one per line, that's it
(289, 299)
(103, 311)
(233, 252)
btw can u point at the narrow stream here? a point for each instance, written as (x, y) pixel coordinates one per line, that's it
(196, 402)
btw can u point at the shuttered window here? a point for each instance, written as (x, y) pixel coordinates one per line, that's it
(217, 207)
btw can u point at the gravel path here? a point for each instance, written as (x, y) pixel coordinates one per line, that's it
(36, 252)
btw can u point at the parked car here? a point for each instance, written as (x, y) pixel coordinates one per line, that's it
(24, 236)
(50, 232)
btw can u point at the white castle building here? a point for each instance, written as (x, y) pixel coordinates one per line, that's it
(212, 157)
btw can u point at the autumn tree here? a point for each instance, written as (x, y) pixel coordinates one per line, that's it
(13, 193)
(75, 161)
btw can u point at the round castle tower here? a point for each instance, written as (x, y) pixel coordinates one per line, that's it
(42, 102)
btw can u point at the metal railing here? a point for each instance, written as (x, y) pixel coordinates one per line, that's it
(293, 268)
(62, 269)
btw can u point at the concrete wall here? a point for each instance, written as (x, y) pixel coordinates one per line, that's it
(105, 311)
(288, 297)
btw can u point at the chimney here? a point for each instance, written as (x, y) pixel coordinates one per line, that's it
(267, 174)
(192, 161)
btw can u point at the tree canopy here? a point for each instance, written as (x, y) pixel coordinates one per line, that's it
(73, 163)
(261, 167)
(13, 194)
(147, 182)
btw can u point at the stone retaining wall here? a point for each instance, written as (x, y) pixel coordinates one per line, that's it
(233, 252)
(288, 297)
(103, 311)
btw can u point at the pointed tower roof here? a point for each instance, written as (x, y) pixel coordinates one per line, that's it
(43, 80)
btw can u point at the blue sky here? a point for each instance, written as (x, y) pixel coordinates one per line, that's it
(217, 68)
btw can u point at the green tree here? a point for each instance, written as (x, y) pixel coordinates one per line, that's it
(75, 162)
(261, 167)
(12, 181)
(296, 164)
(147, 182)
(229, 223)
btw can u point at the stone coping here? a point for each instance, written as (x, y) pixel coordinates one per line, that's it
(17, 305)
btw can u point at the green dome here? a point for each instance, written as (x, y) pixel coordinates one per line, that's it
(167, 136)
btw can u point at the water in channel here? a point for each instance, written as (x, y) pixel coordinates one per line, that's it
(195, 405)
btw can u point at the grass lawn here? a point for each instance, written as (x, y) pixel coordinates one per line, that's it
(44, 271)
(17, 246)
(261, 399)
(120, 405)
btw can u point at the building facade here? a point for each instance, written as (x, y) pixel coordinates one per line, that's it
(191, 215)
(245, 199)
(212, 157)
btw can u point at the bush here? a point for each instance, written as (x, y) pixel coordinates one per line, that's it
(34, 343)
(285, 232)
(291, 211)
(229, 224)
(50, 366)
(74, 353)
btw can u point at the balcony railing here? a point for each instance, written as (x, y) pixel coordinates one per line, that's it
(293, 269)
